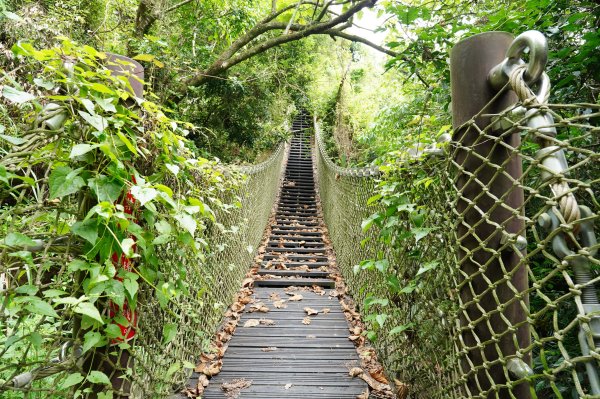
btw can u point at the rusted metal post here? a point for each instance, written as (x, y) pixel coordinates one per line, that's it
(493, 318)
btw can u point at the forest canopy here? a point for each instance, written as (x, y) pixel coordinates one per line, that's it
(234, 68)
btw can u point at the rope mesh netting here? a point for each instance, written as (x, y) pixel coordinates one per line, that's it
(212, 283)
(39, 358)
(511, 309)
(418, 359)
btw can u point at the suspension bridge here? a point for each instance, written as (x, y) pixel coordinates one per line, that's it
(472, 264)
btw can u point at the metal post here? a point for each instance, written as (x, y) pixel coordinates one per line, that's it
(484, 291)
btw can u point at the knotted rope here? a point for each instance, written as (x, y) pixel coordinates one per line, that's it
(560, 188)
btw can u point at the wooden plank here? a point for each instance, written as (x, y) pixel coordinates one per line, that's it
(295, 281)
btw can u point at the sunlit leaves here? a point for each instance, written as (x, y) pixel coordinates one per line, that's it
(16, 96)
(64, 181)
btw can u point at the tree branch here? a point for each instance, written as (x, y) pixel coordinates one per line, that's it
(176, 6)
(391, 53)
(232, 56)
(358, 39)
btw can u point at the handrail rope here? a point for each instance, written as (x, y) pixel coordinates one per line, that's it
(259, 167)
(368, 171)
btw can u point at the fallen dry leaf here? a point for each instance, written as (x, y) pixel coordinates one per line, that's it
(311, 311)
(267, 322)
(355, 371)
(296, 297)
(280, 304)
(401, 388)
(251, 323)
(245, 300)
(258, 307)
(274, 296)
(306, 320)
(237, 307)
(325, 310)
(318, 290)
(288, 386)
(232, 389)
(209, 369)
(247, 282)
(269, 349)
(364, 395)
(379, 376)
(203, 380)
(377, 386)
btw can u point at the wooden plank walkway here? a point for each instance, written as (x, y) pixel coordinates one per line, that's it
(292, 354)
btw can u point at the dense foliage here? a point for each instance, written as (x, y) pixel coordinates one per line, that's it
(223, 79)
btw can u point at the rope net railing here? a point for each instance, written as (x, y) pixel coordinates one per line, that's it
(414, 342)
(47, 346)
(212, 281)
(489, 289)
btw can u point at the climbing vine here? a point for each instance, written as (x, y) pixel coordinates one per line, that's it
(94, 180)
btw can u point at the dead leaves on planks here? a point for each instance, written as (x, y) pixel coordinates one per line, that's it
(234, 387)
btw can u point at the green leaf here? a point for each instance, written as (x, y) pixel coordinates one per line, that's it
(98, 377)
(169, 332)
(18, 240)
(127, 143)
(43, 84)
(127, 246)
(370, 301)
(172, 168)
(399, 329)
(368, 222)
(382, 265)
(371, 335)
(374, 198)
(105, 395)
(36, 339)
(27, 289)
(381, 318)
(113, 331)
(88, 229)
(64, 181)
(143, 194)
(12, 15)
(37, 306)
(106, 104)
(175, 367)
(96, 121)
(427, 267)
(52, 293)
(93, 339)
(16, 96)
(116, 292)
(11, 139)
(80, 149)
(88, 309)
(105, 188)
(421, 232)
(100, 88)
(163, 227)
(187, 222)
(72, 379)
(144, 57)
(131, 286)
(393, 283)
